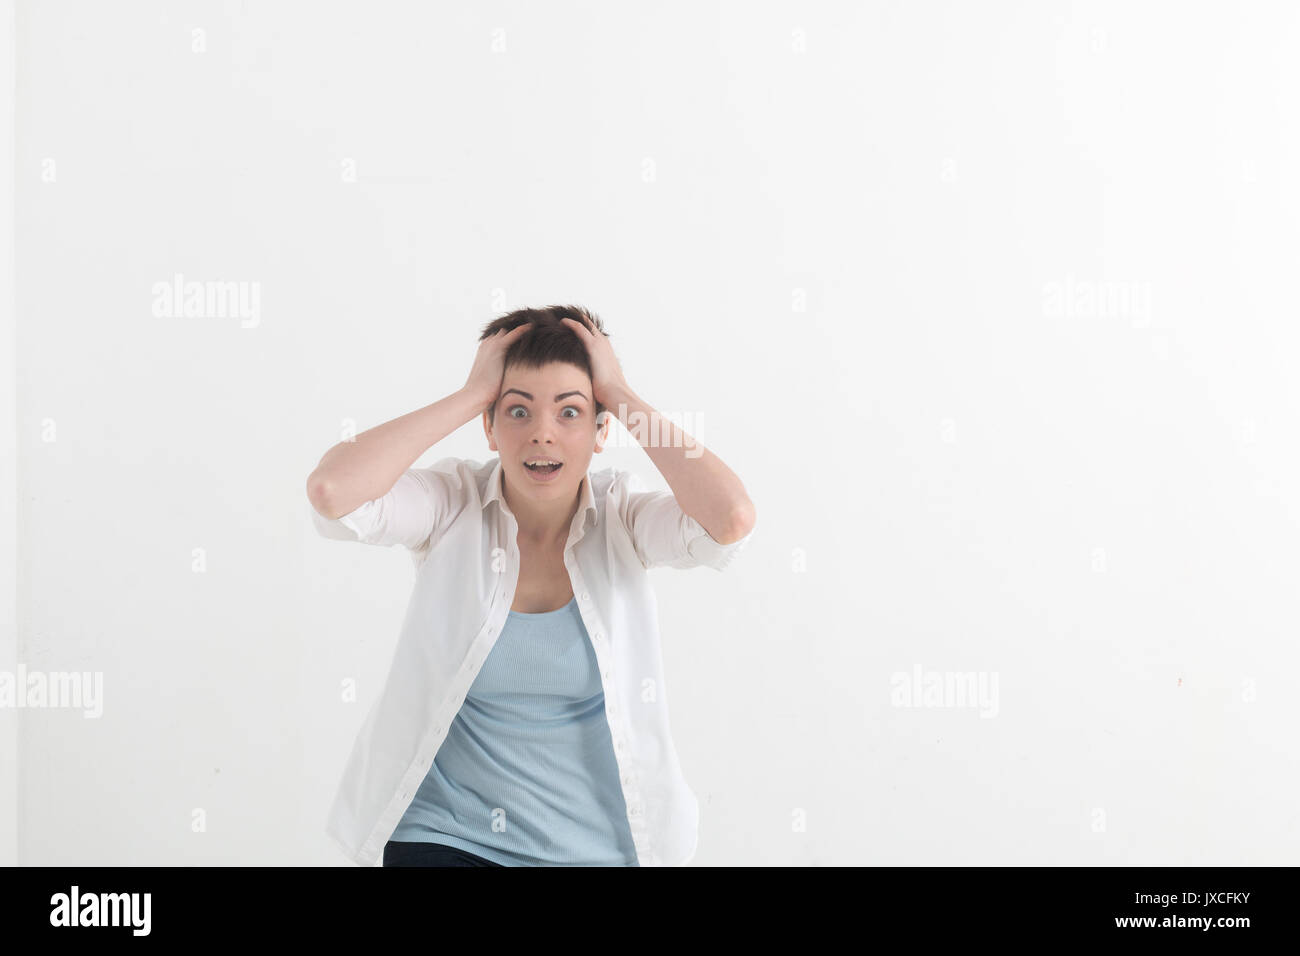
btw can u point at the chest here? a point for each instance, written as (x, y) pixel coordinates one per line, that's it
(543, 580)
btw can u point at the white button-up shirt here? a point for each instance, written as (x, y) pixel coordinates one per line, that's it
(453, 518)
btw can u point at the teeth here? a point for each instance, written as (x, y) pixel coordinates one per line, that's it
(544, 461)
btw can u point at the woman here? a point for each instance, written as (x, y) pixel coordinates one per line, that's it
(524, 719)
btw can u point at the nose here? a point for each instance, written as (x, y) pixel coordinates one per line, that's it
(544, 432)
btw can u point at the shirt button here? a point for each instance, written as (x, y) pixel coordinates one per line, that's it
(606, 673)
(600, 636)
(586, 596)
(438, 729)
(619, 745)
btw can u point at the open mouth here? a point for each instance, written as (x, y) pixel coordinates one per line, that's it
(542, 472)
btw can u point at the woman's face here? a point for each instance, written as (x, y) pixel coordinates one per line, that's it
(549, 413)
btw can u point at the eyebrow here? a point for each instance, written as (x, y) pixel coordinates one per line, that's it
(562, 395)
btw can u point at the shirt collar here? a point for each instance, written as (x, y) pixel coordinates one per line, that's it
(587, 505)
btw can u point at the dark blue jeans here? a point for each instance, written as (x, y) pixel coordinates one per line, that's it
(397, 853)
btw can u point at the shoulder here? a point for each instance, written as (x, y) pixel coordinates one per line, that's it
(614, 485)
(605, 480)
(458, 478)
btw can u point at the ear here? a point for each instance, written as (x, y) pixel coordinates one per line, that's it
(602, 432)
(487, 430)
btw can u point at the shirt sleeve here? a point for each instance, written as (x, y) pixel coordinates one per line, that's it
(665, 536)
(413, 513)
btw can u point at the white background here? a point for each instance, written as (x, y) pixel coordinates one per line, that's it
(867, 245)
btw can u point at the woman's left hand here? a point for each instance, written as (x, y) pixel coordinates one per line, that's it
(606, 374)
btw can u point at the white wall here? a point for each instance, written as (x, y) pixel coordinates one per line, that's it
(992, 307)
(8, 449)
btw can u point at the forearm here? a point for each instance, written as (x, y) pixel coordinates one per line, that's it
(705, 488)
(354, 472)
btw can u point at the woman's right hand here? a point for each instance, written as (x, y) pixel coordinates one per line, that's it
(484, 379)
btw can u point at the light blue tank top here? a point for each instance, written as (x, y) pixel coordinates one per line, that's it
(526, 775)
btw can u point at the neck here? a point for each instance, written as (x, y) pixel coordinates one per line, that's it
(542, 522)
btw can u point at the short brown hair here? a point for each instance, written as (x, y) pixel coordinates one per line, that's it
(549, 340)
